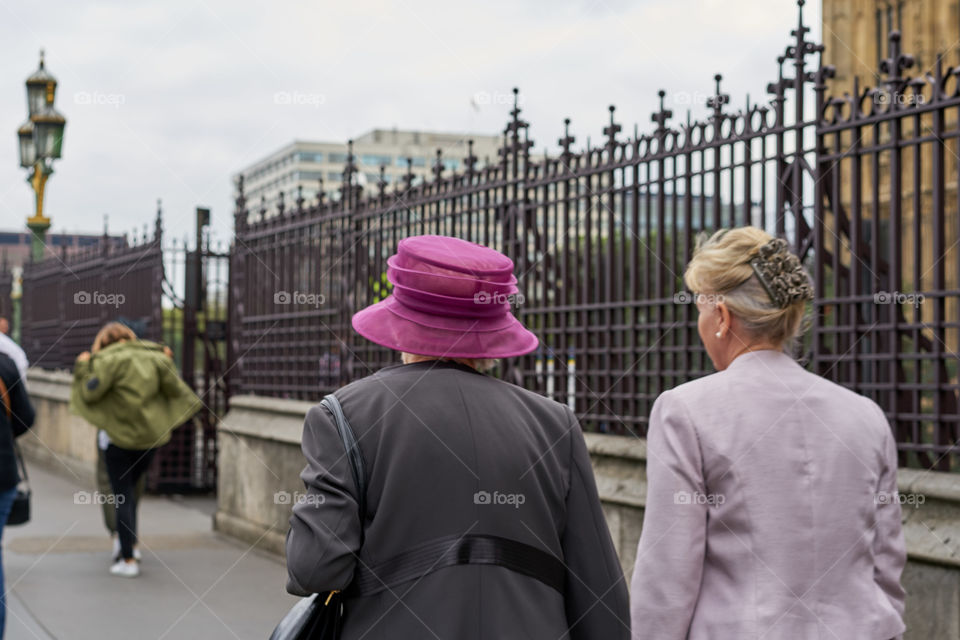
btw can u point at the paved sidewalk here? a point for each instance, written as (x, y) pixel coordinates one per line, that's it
(194, 582)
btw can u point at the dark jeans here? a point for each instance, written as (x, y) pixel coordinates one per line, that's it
(105, 488)
(124, 467)
(6, 501)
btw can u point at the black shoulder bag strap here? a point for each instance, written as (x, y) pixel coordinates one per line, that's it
(354, 456)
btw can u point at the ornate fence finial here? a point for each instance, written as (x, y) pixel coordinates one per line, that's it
(263, 207)
(612, 129)
(717, 100)
(471, 160)
(660, 117)
(280, 205)
(566, 142)
(408, 176)
(320, 192)
(299, 198)
(512, 143)
(892, 67)
(438, 166)
(240, 212)
(346, 189)
(382, 182)
(241, 196)
(158, 222)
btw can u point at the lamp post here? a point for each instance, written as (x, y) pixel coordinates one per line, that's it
(41, 142)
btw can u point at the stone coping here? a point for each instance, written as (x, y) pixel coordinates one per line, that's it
(49, 385)
(264, 418)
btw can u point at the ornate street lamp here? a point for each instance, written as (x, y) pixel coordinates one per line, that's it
(41, 142)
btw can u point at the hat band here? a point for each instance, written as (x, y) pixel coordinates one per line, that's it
(479, 309)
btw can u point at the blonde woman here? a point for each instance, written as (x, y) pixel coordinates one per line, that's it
(771, 509)
(129, 389)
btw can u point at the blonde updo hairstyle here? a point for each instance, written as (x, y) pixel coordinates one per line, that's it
(721, 266)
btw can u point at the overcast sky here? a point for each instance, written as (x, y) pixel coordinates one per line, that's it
(168, 99)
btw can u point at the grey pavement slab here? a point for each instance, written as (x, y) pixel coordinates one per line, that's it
(194, 582)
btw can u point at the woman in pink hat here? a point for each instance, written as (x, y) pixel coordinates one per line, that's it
(477, 516)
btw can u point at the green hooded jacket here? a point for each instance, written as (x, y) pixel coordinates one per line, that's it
(132, 391)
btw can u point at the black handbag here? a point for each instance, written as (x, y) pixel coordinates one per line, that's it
(20, 510)
(319, 617)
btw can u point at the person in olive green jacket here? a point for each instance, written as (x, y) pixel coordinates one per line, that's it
(130, 389)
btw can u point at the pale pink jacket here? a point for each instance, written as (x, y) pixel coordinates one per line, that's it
(771, 511)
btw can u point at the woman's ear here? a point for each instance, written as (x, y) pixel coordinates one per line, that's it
(724, 318)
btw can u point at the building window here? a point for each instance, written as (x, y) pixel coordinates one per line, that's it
(417, 162)
(333, 175)
(338, 158)
(308, 156)
(374, 160)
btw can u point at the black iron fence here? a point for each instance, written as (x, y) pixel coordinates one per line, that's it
(600, 237)
(67, 298)
(6, 291)
(864, 187)
(166, 291)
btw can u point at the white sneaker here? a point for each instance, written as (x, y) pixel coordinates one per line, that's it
(125, 569)
(116, 549)
(136, 554)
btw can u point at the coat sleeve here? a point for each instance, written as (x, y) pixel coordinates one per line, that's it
(596, 599)
(889, 548)
(93, 378)
(325, 528)
(168, 378)
(669, 565)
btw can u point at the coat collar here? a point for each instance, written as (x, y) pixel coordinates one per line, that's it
(764, 357)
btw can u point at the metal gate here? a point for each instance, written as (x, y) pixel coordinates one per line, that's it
(194, 311)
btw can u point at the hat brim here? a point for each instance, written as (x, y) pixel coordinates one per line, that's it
(388, 324)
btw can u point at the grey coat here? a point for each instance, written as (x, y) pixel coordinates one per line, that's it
(448, 452)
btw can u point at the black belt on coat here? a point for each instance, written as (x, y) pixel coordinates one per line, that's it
(456, 550)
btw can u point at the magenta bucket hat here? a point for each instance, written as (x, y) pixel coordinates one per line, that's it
(451, 298)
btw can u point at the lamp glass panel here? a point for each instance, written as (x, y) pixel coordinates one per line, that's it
(36, 98)
(28, 151)
(49, 137)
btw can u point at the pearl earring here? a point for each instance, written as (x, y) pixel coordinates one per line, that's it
(719, 334)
